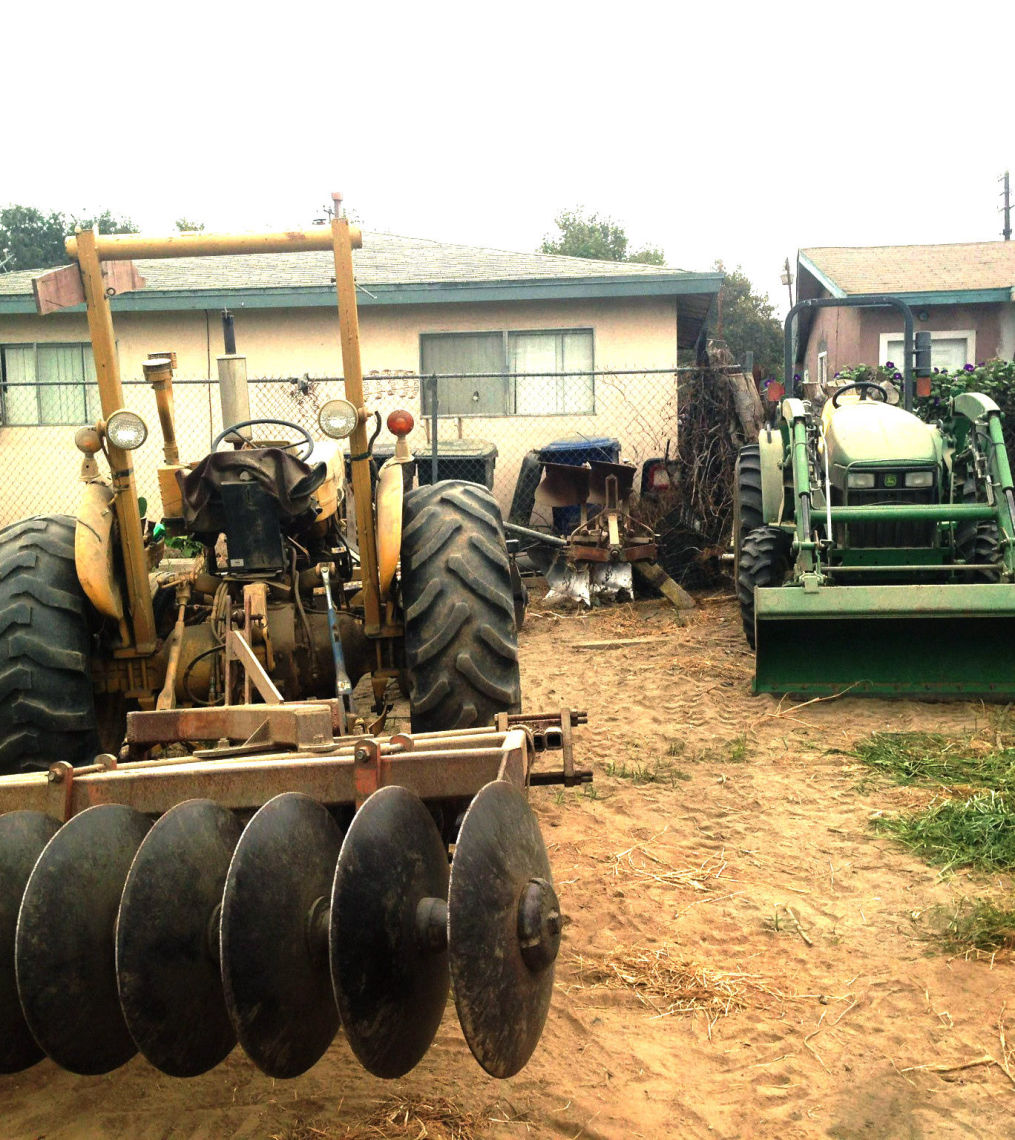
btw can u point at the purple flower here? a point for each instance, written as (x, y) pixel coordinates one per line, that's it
(936, 370)
(889, 364)
(897, 376)
(969, 367)
(796, 375)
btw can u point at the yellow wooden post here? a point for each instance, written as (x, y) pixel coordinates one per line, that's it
(352, 369)
(107, 372)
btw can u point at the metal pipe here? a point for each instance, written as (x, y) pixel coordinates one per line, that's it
(158, 372)
(124, 247)
(228, 333)
(538, 535)
(107, 373)
(914, 512)
(342, 243)
(861, 301)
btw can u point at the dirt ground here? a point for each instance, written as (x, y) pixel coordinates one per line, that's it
(744, 956)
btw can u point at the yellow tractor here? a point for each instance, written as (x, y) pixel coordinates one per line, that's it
(203, 841)
(84, 634)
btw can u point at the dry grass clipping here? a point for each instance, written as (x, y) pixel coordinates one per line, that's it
(430, 1118)
(669, 984)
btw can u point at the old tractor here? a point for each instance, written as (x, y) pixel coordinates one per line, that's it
(206, 841)
(874, 549)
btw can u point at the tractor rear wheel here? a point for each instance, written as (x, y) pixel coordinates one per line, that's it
(764, 561)
(47, 708)
(461, 644)
(748, 511)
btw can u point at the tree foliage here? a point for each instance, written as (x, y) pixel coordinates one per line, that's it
(30, 239)
(592, 235)
(746, 321)
(186, 226)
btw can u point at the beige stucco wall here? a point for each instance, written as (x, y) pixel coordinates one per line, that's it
(639, 411)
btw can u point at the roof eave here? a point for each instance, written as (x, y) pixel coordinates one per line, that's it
(804, 262)
(419, 293)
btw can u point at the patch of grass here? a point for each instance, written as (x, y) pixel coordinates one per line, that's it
(973, 926)
(732, 751)
(978, 832)
(648, 772)
(930, 758)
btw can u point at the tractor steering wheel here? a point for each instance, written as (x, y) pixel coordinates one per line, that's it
(861, 386)
(306, 443)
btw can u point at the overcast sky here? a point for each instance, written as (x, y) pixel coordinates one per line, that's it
(713, 130)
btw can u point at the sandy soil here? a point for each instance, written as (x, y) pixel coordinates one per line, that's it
(744, 956)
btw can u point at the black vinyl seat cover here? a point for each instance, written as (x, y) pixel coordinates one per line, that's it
(288, 480)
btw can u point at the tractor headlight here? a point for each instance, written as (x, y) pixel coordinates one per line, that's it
(860, 479)
(919, 478)
(126, 430)
(338, 418)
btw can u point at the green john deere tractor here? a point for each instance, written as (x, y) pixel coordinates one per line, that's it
(873, 549)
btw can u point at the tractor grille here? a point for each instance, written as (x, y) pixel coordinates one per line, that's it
(886, 532)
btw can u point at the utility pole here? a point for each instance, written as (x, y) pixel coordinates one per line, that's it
(787, 280)
(1006, 195)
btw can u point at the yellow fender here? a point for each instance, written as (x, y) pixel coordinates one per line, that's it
(390, 489)
(94, 548)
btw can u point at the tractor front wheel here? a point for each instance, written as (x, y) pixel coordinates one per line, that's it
(461, 644)
(47, 708)
(764, 561)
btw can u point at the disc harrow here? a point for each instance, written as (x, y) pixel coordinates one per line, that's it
(273, 918)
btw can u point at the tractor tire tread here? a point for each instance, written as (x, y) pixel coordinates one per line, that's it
(461, 644)
(47, 705)
(764, 561)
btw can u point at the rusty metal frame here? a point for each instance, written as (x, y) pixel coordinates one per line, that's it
(434, 766)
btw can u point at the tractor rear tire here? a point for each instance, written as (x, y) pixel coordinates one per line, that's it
(461, 643)
(976, 540)
(47, 706)
(764, 561)
(748, 512)
(979, 543)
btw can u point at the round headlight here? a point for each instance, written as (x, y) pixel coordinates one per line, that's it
(338, 418)
(126, 430)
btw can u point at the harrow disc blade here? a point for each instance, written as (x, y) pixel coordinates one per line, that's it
(23, 835)
(503, 929)
(389, 961)
(274, 942)
(167, 940)
(65, 954)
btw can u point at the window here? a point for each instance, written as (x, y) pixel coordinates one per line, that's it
(822, 369)
(494, 367)
(48, 384)
(949, 350)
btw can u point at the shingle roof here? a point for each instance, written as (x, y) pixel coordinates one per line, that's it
(916, 268)
(384, 260)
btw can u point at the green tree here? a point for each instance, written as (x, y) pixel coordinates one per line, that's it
(591, 235)
(185, 225)
(30, 239)
(746, 321)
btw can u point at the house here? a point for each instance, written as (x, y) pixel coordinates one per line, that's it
(962, 293)
(542, 336)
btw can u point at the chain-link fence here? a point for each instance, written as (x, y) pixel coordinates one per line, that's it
(624, 415)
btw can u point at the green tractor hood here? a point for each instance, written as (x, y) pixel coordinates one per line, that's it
(874, 433)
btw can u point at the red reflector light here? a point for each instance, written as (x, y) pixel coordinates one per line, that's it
(400, 422)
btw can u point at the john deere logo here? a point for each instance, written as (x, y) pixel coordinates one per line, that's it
(891, 480)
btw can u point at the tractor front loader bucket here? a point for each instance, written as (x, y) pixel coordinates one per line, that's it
(938, 641)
